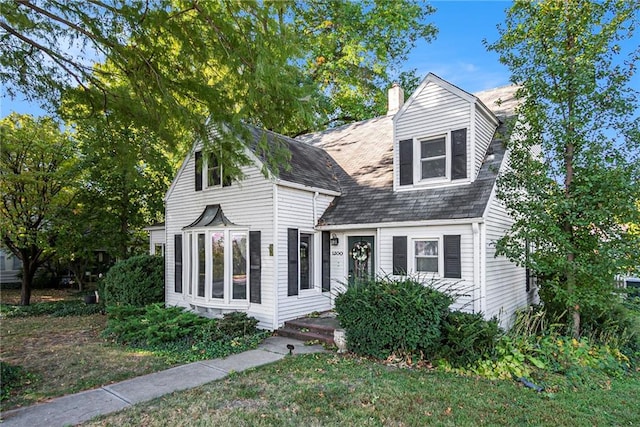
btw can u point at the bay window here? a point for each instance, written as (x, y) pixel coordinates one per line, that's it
(222, 264)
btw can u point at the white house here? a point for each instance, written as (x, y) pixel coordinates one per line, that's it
(412, 192)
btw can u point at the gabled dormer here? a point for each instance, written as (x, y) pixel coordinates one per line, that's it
(441, 135)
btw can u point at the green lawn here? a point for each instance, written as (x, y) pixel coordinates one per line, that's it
(328, 389)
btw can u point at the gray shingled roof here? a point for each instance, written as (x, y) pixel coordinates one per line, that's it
(365, 151)
(310, 166)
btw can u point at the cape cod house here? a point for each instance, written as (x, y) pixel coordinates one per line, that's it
(411, 192)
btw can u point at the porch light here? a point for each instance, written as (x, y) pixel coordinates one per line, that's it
(334, 240)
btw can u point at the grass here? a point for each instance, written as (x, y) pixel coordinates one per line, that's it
(328, 389)
(65, 354)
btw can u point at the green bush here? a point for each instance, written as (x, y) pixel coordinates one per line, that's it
(136, 281)
(152, 325)
(467, 337)
(237, 324)
(181, 336)
(387, 317)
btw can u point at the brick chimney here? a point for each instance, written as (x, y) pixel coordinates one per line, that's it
(396, 99)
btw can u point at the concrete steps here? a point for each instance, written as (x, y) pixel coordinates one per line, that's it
(310, 329)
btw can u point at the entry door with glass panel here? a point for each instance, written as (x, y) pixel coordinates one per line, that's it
(361, 255)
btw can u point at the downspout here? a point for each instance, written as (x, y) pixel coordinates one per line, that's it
(477, 253)
(315, 217)
(275, 278)
(483, 267)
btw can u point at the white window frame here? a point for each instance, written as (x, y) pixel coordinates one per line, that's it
(190, 274)
(205, 170)
(417, 154)
(440, 255)
(315, 266)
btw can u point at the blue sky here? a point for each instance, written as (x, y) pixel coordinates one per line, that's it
(458, 55)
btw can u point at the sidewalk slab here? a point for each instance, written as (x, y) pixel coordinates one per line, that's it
(147, 387)
(67, 410)
(242, 361)
(279, 345)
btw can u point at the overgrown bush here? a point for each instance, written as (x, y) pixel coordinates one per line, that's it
(536, 350)
(467, 337)
(136, 281)
(385, 317)
(180, 335)
(237, 324)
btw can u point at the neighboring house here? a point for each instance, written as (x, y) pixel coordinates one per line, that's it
(412, 192)
(157, 238)
(10, 267)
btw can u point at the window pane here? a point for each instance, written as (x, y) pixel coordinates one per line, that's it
(432, 148)
(306, 241)
(217, 275)
(201, 265)
(433, 168)
(213, 171)
(427, 248)
(429, 265)
(239, 247)
(190, 264)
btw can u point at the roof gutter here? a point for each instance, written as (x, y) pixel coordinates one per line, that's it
(306, 188)
(391, 224)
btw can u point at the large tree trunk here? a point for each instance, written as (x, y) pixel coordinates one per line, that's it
(27, 279)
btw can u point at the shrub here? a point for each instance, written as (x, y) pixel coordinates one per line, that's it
(180, 335)
(237, 324)
(384, 317)
(136, 281)
(467, 337)
(152, 325)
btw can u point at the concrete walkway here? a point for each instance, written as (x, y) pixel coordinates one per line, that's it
(77, 408)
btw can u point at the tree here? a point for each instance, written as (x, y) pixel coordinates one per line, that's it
(575, 149)
(285, 66)
(126, 173)
(37, 184)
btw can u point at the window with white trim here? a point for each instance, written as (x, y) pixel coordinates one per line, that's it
(214, 171)
(426, 255)
(433, 158)
(218, 269)
(306, 261)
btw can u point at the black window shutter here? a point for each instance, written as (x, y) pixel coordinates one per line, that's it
(406, 162)
(178, 263)
(326, 261)
(459, 154)
(198, 170)
(452, 261)
(399, 255)
(292, 256)
(255, 268)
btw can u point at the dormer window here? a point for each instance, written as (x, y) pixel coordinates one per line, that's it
(431, 159)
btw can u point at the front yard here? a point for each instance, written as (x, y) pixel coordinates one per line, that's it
(64, 354)
(329, 389)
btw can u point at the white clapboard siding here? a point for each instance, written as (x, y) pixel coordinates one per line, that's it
(484, 131)
(464, 287)
(505, 282)
(247, 203)
(296, 210)
(156, 237)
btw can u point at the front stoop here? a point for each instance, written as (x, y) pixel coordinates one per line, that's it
(311, 329)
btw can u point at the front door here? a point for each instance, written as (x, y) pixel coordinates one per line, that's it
(361, 258)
